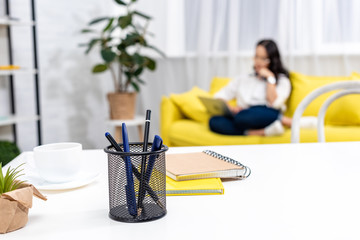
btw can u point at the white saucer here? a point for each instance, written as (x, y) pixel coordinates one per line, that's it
(89, 173)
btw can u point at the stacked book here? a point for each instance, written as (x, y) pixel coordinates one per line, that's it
(200, 173)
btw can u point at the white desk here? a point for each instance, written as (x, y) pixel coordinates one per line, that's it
(298, 191)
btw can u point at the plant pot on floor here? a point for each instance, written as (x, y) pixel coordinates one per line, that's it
(122, 105)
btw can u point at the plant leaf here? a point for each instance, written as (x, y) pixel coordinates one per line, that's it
(125, 21)
(140, 60)
(108, 55)
(125, 59)
(150, 63)
(138, 71)
(97, 20)
(135, 86)
(91, 44)
(108, 26)
(142, 15)
(99, 68)
(157, 50)
(139, 80)
(86, 30)
(120, 2)
(9, 181)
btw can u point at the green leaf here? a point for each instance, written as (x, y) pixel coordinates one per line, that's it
(138, 71)
(9, 182)
(92, 44)
(120, 2)
(132, 39)
(125, 21)
(139, 80)
(138, 59)
(8, 151)
(108, 26)
(135, 86)
(86, 30)
(125, 59)
(150, 63)
(108, 55)
(156, 50)
(121, 47)
(99, 68)
(97, 20)
(142, 15)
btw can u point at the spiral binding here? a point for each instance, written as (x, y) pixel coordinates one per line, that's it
(229, 160)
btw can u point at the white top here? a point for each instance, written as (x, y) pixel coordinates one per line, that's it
(251, 91)
(295, 191)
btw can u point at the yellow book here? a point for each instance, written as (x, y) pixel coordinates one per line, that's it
(9, 67)
(208, 186)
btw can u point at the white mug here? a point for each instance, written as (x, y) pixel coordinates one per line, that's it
(58, 162)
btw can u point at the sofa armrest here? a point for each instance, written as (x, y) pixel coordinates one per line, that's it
(169, 113)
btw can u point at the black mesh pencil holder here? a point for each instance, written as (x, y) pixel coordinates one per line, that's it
(123, 198)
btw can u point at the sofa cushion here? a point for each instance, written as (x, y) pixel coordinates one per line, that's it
(190, 105)
(355, 75)
(344, 111)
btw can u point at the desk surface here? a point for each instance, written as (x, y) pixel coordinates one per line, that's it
(296, 191)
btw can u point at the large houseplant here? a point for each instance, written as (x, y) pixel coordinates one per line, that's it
(121, 41)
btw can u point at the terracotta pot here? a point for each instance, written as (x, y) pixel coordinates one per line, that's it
(122, 105)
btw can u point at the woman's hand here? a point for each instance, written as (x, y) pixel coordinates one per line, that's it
(265, 73)
(234, 109)
(271, 93)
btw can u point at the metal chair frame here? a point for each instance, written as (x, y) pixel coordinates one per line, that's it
(345, 87)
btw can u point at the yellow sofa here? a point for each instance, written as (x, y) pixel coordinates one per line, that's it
(184, 120)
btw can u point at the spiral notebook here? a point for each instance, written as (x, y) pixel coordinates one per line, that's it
(206, 164)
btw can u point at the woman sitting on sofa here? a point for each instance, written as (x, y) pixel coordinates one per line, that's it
(260, 97)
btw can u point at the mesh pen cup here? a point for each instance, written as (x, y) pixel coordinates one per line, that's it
(124, 193)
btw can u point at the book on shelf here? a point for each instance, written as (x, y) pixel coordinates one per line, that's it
(208, 186)
(206, 164)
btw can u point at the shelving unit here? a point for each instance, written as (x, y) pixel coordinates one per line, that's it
(14, 117)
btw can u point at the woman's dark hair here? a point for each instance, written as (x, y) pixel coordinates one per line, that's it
(274, 56)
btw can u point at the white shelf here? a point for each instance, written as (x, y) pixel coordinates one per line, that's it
(18, 71)
(138, 120)
(6, 22)
(9, 120)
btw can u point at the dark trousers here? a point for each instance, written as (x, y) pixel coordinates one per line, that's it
(256, 117)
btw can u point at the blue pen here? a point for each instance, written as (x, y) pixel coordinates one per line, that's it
(156, 145)
(129, 188)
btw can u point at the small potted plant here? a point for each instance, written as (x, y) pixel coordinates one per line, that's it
(15, 199)
(121, 41)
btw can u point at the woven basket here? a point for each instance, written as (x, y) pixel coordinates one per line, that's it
(122, 105)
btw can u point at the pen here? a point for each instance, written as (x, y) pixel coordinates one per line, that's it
(135, 171)
(156, 145)
(113, 142)
(143, 163)
(129, 188)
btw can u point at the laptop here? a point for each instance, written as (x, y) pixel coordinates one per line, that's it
(216, 106)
